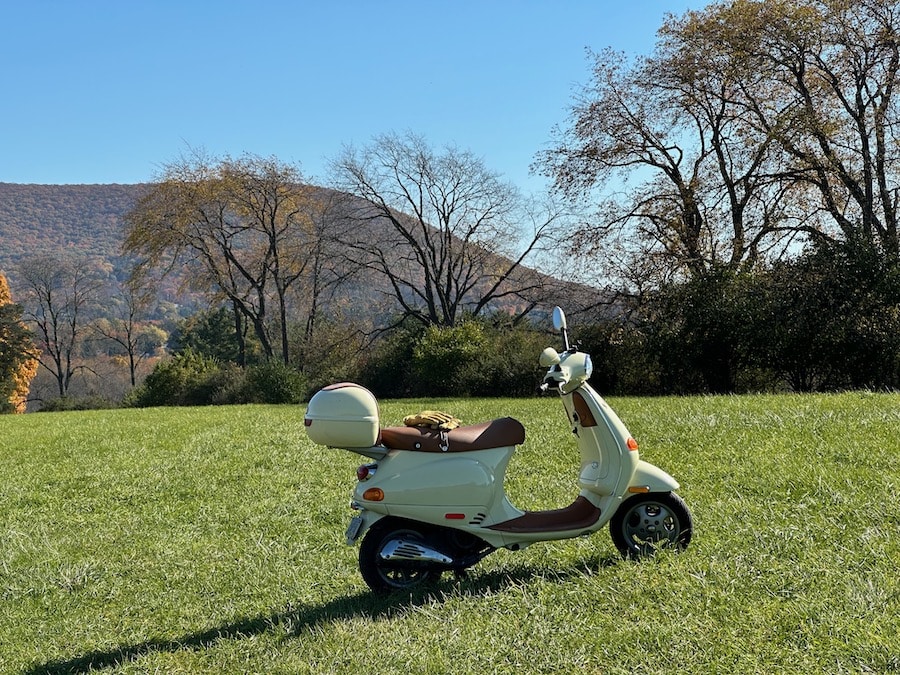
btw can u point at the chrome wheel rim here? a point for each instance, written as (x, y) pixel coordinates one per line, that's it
(649, 526)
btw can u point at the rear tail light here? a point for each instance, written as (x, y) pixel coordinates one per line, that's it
(366, 471)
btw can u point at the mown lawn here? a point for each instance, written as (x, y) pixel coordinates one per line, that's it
(210, 540)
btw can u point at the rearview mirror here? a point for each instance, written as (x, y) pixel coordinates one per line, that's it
(559, 324)
(559, 319)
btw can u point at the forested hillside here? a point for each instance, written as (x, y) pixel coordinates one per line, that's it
(39, 219)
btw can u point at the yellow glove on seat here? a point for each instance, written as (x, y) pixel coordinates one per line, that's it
(432, 419)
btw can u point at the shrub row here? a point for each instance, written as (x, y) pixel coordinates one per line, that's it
(475, 358)
(189, 378)
(827, 320)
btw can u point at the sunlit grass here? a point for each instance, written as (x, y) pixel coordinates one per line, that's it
(210, 540)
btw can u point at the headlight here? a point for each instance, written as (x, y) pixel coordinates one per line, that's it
(588, 367)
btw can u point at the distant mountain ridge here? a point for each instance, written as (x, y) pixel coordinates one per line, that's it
(45, 219)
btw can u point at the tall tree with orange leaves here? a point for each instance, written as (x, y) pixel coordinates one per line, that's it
(18, 362)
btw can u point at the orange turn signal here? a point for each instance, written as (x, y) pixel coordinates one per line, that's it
(639, 489)
(373, 494)
(631, 443)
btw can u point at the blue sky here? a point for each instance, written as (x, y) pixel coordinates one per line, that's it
(109, 91)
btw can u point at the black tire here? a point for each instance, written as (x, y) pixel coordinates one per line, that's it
(645, 523)
(385, 578)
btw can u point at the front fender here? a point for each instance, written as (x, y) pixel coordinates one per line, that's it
(651, 479)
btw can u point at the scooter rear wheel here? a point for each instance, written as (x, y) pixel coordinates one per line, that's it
(383, 577)
(646, 523)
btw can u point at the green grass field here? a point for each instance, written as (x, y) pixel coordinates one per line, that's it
(211, 541)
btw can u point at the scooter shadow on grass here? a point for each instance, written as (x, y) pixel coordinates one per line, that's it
(295, 621)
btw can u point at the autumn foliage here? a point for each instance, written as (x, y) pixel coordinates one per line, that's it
(18, 364)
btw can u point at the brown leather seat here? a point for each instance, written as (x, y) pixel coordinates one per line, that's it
(494, 434)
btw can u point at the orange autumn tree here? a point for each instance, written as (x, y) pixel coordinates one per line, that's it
(18, 362)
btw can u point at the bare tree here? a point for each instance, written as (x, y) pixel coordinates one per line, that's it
(326, 266)
(57, 296)
(832, 71)
(446, 234)
(123, 328)
(753, 124)
(682, 181)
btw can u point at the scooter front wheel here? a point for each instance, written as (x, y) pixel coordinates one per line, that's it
(648, 522)
(384, 576)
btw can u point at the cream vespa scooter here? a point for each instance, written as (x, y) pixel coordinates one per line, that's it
(433, 501)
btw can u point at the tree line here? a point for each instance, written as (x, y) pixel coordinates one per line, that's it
(728, 204)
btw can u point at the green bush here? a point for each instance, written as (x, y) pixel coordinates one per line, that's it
(227, 385)
(475, 358)
(188, 378)
(388, 370)
(508, 363)
(334, 352)
(447, 359)
(273, 382)
(834, 319)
